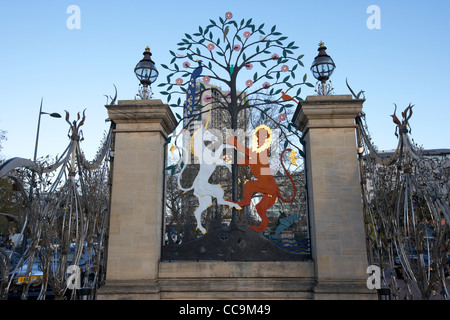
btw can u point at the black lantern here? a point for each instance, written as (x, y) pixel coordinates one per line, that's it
(147, 74)
(322, 68)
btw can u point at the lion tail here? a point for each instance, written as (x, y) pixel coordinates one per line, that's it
(290, 177)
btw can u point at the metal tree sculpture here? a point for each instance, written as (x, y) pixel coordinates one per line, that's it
(227, 52)
(254, 69)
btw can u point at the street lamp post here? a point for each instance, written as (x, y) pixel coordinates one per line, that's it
(33, 175)
(54, 115)
(322, 69)
(147, 74)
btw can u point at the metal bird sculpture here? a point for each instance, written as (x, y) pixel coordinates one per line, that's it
(190, 93)
(357, 96)
(396, 120)
(394, 117)
(286, 223)
(225, 32)
(113, 100)
(286, 97)
(407, 114)
(293, 158)
(74, 127)
(402, 126)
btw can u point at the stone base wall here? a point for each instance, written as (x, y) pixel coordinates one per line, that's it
(235, 281)
(220, 280)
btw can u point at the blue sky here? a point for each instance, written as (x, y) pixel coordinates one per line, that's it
(406, 61)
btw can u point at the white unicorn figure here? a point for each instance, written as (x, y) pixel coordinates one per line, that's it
(209, 160)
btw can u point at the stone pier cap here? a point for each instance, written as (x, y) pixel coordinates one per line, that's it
(330, 111)
(143, 111)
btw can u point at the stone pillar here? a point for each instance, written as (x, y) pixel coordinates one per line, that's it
(334, 196)
(134, 247)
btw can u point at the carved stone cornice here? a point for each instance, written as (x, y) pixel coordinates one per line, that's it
(334, 111)
(132, 114)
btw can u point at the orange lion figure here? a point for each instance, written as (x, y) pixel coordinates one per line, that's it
(258, 159)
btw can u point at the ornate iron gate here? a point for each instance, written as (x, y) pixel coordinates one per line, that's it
(63, 220)
(407, 213)
(226, 168)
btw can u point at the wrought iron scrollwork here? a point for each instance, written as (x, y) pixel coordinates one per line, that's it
(64, 221)
(406, 204)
